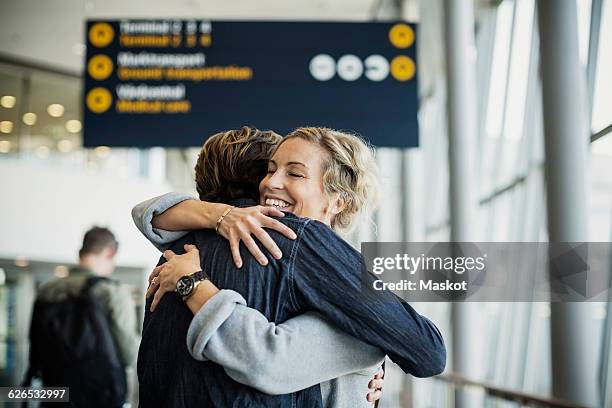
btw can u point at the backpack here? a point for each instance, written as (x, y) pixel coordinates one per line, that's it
(71, 345)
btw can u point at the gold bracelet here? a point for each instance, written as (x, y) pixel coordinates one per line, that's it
(221, 219)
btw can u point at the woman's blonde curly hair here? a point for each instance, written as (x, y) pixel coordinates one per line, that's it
(349, 170)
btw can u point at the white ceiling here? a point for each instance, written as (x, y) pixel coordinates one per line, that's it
(49, 31)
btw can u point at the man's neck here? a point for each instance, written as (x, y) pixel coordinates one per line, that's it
(89, 264)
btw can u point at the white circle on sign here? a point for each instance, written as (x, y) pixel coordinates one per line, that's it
(350, 67)
(205, 27)
(376, 67)
(322, 67)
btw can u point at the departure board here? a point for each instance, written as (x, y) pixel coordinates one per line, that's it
(173, 83)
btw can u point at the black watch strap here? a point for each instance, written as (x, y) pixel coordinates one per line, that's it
(200, 276)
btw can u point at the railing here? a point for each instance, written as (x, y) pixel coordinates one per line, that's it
(506, 394)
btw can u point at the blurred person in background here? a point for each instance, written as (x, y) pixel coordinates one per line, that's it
(253, 350)
(84, 330)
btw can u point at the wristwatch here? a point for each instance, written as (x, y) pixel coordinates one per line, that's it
(187, 284)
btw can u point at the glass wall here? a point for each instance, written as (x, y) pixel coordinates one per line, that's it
(515, 337)
(602, 111)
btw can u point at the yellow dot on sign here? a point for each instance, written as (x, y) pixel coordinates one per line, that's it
(402, 68)
(101, 34)
(205, 40)
(401, 35)
(100, 67)
(99, 100)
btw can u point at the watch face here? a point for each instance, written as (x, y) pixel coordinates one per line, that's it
(185, 285)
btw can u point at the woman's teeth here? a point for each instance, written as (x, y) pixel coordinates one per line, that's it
(276, 203)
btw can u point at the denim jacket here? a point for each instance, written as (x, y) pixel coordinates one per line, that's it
(319, 272)
(323, 273)
(169, 377)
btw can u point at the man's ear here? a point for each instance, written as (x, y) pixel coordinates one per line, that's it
(109, 253)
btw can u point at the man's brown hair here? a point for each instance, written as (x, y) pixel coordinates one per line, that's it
(231, 164)
(96, 240)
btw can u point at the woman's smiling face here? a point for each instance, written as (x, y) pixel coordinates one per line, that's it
(294, 181)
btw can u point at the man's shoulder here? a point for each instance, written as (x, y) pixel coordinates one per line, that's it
(195, 237)
(315, 233)
(108, 284)
(297, 224)
(61, 288)
(113, 294)
(51, 289)
(293, 221)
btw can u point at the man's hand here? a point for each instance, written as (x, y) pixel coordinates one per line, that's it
(164, 278)
(376, 385)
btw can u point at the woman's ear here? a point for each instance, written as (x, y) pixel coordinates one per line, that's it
(338, 205)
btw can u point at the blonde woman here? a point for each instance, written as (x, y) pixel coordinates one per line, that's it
(322, 180)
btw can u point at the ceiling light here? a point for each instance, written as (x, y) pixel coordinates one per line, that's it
(56, 110)
(61, 271)
(64, 145)
(5, 146)
(8, 101)
(42, 152)
(73, 126)
(29, 118)
(6, 126)
(21, 262)
(102, 151)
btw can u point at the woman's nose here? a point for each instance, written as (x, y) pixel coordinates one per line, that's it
(275, 181)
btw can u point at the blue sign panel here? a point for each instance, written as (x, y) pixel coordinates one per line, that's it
(173, 83)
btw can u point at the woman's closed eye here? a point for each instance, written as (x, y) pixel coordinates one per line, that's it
(296, 175)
